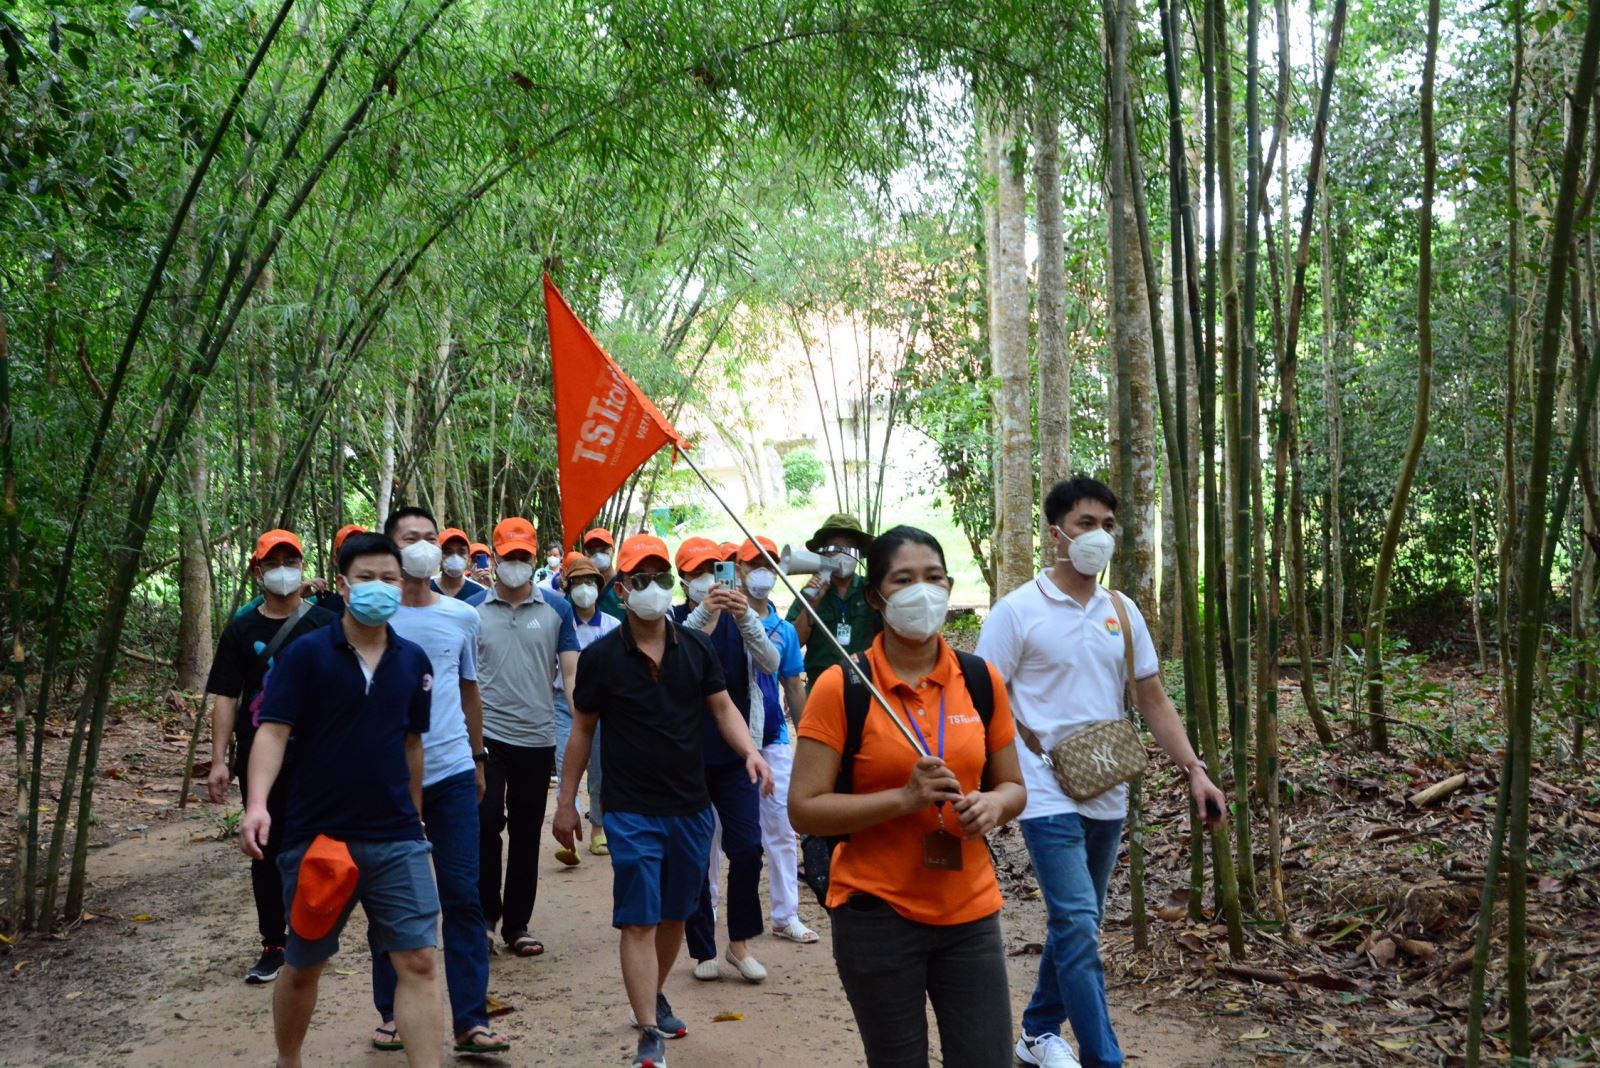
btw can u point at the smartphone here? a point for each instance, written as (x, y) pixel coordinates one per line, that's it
(725, 574)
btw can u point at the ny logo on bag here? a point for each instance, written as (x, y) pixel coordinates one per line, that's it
(1103, 760)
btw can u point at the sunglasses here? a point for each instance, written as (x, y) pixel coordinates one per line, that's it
(839, 550)
(643, 580)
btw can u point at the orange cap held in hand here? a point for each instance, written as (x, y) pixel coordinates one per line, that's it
(327, 879)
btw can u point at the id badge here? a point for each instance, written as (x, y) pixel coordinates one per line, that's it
(842, 632)
(941, 850)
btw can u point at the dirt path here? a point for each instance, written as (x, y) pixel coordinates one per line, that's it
(167, 990)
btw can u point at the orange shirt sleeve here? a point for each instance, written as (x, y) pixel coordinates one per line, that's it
(1002, 729)
(823, 719)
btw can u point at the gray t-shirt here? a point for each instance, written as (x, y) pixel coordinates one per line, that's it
(517, 666)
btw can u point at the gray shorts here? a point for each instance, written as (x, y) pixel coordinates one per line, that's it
(396, 889)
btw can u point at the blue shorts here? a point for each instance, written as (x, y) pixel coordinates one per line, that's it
(396, 890)
(658, 864)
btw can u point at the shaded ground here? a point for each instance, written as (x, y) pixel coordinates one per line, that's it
(1382, 898)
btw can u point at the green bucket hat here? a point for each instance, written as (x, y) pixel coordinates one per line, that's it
(839, 523)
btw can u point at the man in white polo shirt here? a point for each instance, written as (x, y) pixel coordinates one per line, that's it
(1057, 641)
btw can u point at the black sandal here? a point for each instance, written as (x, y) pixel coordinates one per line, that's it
(465, 1043)
(393, 1045)
(525, 945)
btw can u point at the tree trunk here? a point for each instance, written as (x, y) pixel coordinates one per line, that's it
(385, 488)
(1013, 406)
(1238, 373)
(1378, 727)
(194, 574)
(1055, 369)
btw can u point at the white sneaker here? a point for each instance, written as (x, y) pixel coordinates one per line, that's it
(750, 969)
(708, 971)
(1046, 1051)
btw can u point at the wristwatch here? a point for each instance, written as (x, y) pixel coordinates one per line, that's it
(480, 756)
(1188, 770)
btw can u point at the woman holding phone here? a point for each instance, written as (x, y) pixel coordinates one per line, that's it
(912, 891)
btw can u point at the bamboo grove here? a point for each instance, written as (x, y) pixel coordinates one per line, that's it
(1313, 285)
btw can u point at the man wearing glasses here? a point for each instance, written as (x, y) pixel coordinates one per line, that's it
(654, 683)
(841, 603)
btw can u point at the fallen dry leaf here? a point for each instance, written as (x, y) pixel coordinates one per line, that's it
(143, 917)
(727, 1017)
(1254, 1036)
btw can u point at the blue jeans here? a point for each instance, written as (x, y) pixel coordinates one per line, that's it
(563, 732)
(738, 806)
(1073, 857)
(450, 811)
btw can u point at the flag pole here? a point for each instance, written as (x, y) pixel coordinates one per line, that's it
(817, 625)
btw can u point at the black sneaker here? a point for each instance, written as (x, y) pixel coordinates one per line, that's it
(266, 969)
(652, 1049)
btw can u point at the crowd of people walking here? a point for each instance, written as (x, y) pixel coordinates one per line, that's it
(397, 732)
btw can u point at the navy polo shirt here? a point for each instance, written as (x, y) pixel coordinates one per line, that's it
(348, 778)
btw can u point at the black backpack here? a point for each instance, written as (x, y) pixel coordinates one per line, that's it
(816, 851)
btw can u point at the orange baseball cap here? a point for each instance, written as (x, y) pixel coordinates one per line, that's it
(450, 534)
(344, 532)
(271, 540)
(478, 547)
(639, 548)
(513, 534)
(599, 534)
(749, 553)
(695, 552)
(327, 878)
(730, 551)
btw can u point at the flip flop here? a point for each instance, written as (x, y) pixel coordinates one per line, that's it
(465, 1043)
(569, 857)
(526, 945)
(394, 1044)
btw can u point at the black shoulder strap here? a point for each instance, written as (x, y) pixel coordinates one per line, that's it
(857, 702)
(980, 684)
(284, 630)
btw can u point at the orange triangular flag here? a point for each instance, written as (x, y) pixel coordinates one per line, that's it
(606, 428)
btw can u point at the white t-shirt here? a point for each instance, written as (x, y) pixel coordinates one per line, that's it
(1064, 667)
(447, 630)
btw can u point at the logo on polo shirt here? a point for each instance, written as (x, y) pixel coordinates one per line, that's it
(1112, 626)
(534, 624)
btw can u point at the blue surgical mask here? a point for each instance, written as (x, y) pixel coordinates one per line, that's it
(373, 603)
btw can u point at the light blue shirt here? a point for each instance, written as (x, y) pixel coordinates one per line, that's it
(447, 630)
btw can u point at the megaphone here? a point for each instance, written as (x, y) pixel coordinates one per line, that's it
(795, 561)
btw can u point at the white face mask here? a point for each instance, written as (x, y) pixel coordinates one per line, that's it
(698, 588)
(420, 559)
(584, 595)
(917, 612)
(514, 574)
(554, 562)
(847, 565)
(760, 582)
(282, 580)
(455, 566)
(650, 603)
(1090, 551)
(602, 561)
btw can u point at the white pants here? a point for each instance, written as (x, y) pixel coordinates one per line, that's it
(777, 837)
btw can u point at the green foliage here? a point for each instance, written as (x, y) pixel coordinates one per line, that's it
(802, 474)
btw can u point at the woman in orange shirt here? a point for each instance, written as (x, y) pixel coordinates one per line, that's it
(913, 895)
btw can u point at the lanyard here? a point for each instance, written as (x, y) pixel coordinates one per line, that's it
(920, 737)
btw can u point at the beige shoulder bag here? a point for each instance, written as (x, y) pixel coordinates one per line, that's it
(1108, 753)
